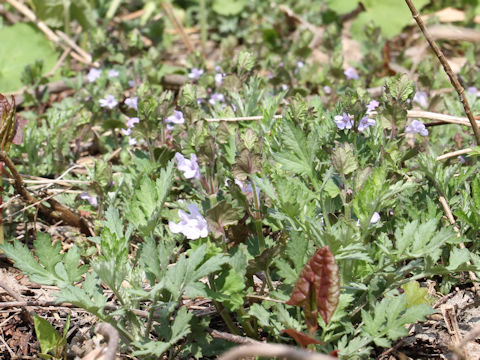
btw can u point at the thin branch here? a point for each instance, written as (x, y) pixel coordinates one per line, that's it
(453, 79)
(232, 338)
(454, 154)
(441, 117)
(271, 351)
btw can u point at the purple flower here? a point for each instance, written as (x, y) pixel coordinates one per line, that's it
(284, 87)
(351, 73)
(343, 121)
(421, 99)
(132, 121)
(93, 74)
(461, 159)
(193, 225)
(218, 68)
(132, 103)
(92, 199)
(190, 168)
(126, 132)
(372, 105)
(247, 187)
(300, 64)
(108, 102)
(375, 218)
(112, 73)
(195, 74)
(176, 118)
(365, 122)
(219, 78)
(327, 89)
(417, 127)
(216, 98)
(132, 83)
(473, 90)
(132, 141)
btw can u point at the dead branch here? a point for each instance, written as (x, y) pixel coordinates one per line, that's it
(56, 212)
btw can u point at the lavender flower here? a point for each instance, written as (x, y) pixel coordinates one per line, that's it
(190, 168)
(365, 122)
(473, 90)
(108, 102)
(216, 98)
(195, 74)
(127, 131)
(132, 103)
(93, 75)
(132, 83)
(284, 87)
(417, 127)
(343, 121)
(193, 225)
(300, 64)
(421, 99)
(327, 89)
(375, 218)
(132, 121)
(372, 105)
(112, 73)
(92, 199)
(461, 159)
(351, 73)
(132, 141)
(219, 78)
(176, 118)
(247, 187)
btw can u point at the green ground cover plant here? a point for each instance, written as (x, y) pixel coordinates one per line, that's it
(302, 200)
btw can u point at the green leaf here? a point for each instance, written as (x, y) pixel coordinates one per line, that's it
(222, 215)
(51, 12)
(14, 58)
(47, 335)
(458, 257)
(380, 13)
(71, 262)
(415, 295)
(48, 254)
(344, 160)
(229, 7)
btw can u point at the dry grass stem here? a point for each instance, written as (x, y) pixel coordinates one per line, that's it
(271, 351)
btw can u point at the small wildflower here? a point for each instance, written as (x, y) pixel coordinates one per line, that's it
(92, 199)
(234, 107)
(300, 64)
(417, 127)
(216, 98)
(176, 118)
(218, 68)
(421, 99)
(343, 121)
(365, 122)
(127, 131)
(132, 103)
(132, 141)
(93, 74)
(284, 87)
(461, 159)
(108, 102)
(132, 83)
(195, 74)
(193, 225)
(247, 187)
(132, 121)
(372, 105)
(219, 78)
(473, 90)
(327, 89)
(351, 73)
(112, 73)
(375, 218)
(200, 101)
(190, 168)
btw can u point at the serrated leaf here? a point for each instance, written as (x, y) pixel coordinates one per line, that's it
(222, 215)
(457, 258)
(302, 339)
(48, 254)
(71, 261)
(415, 295)
(245, 61)
(344, 160)
(317, 288)
(246, 163)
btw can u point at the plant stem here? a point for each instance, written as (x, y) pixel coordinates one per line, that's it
(453, 79)
(151, 313)
(258, 219)
(221, 310)
(245, 324)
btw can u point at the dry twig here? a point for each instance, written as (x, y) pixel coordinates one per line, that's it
(453, 79)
